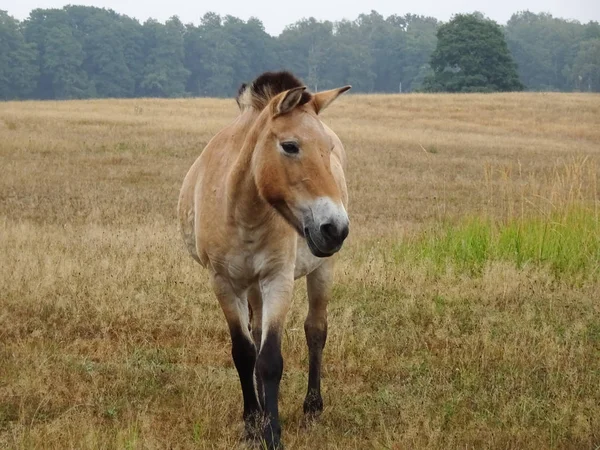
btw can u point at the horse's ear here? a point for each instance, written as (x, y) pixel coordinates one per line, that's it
(322, 100)
(289, 100)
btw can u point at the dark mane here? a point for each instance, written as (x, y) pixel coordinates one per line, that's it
(258, 93)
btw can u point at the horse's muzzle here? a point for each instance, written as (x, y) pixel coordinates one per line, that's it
(325, 225)
(326, 239)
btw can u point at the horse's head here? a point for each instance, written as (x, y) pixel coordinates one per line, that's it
(292, 168)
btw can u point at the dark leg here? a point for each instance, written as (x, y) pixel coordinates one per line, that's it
(242, 348)
(276, 294)
(269, 367)
(244, 358)
(315, 327)
(315, 339)
(255, 302)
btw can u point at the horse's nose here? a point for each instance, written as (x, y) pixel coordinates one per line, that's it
(333, 233)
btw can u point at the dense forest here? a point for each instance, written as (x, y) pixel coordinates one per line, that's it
(83, 52)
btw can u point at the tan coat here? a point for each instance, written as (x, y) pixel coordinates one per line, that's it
(264, 204)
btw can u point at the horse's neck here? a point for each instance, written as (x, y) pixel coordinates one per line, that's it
(245, 207)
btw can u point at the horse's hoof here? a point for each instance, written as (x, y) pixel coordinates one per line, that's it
(251, 433)
(273, 438)
(253, 427)
(275, 445)
(313, 405)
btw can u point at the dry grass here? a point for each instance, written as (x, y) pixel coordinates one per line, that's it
(110, 337)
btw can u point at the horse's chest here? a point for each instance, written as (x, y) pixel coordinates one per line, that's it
(306, 262)
(246, 265)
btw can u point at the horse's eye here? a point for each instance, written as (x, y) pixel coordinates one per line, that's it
(290, 147)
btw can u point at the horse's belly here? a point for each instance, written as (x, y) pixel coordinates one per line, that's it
(189, 209)
(306, 262)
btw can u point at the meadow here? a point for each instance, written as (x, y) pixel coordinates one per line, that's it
(466, 311)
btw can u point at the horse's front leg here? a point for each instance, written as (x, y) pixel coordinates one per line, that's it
(255, 302)
(276, 294)
(318, 284)
(242, 348)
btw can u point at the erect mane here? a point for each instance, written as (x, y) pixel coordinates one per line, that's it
(258, 93)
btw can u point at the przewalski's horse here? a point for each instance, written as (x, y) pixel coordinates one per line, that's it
(264, 204)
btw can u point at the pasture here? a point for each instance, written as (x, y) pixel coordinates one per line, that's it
(466, 310)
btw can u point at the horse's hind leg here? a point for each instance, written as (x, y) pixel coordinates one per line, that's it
(242, 348)
(318, 285)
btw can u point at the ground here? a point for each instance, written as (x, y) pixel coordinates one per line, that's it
(466, 312)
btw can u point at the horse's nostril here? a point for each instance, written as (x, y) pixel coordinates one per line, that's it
(328, 231)
(334, 234)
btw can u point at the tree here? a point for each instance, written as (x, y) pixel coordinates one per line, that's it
(545, 49)
(221, 54)
(254, 49)
(101, 36)
(419, 45)
(18, 61)
(210, 54)
(63, 60)
(382, 53)
(164, 73)
(305, 49)
(61, 55)
(586, 68)
(350, 60)
(385, 43)
(472, 56)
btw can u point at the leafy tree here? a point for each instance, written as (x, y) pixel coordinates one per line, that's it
(195, 54)
(386, 44)
(210, 55)
(62, 62)
(419, 45)
(472, 56)
(586, 68)
(222, 53)
(18, 61)
(164, 73)
(305, 48)
(545, 48)
(254, 49)
(61, 56)
(396, 50)
(132, 40)
(101, 36)
(350, 60)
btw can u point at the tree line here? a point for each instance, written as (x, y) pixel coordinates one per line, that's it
(89, 52)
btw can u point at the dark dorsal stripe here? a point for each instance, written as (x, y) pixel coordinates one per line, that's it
(258, 93)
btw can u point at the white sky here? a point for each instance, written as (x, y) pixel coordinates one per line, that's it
(275, 15)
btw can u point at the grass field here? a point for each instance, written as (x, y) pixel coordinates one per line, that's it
(466, 312)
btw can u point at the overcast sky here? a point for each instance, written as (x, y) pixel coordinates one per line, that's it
(275, 15)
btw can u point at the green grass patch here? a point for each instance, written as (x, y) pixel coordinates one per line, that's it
(566, 243)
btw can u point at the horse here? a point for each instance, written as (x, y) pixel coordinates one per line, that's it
(265, 204)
